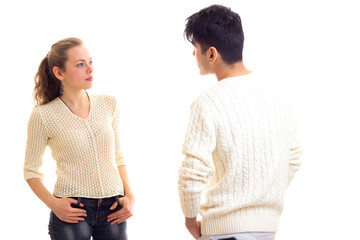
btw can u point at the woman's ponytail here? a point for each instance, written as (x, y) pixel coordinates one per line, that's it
(47, 86)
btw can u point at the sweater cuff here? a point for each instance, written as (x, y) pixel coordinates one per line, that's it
(190, 212)
(29, 175)
(189, 208)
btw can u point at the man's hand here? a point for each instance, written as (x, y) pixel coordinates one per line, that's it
(193, 226)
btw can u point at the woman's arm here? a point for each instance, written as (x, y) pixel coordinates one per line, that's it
(125, 179)
(127, 202)
(60, 206)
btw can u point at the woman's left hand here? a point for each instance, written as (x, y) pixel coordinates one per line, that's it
(124, 213)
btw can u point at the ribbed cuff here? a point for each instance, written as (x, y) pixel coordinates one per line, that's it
(190, 213)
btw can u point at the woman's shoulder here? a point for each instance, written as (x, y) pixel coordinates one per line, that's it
(102, 97)
(40, 112)
(47, 107)
(104, 100)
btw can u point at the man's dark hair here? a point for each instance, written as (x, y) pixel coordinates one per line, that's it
(217, 26)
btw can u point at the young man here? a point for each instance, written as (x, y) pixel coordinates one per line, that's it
(240, 148)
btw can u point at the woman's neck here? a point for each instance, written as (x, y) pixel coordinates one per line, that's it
(75, 98)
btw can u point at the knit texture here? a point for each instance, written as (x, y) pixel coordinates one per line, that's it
(86, 151)
(241, 152)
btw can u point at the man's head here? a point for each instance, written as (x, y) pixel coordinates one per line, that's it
(216, 28)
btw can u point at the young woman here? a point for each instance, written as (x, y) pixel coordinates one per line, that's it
(92, 195)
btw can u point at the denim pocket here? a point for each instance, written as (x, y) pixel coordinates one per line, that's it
(118, 207)
(77, 205)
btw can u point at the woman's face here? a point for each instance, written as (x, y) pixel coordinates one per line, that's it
(78, 69)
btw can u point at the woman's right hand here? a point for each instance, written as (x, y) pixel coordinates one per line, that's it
(63, 210)
(60, 206)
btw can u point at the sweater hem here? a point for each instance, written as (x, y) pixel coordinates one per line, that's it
(90, 196)
(237, 224)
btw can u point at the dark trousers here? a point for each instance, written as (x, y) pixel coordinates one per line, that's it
(95, 224)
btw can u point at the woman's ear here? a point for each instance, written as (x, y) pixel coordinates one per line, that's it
(58, 74)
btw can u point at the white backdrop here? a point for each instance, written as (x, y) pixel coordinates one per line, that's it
(140, 56)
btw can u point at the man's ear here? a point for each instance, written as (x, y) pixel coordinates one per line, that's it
(212, 54)
(58, 73)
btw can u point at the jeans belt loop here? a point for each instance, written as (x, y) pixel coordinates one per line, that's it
(117, 200)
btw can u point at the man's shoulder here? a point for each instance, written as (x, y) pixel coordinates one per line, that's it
(206, 97)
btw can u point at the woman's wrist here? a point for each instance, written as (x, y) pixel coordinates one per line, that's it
(50, 201)
(40, 190)
(129, 195)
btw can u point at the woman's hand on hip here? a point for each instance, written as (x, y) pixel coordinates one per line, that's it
(63, 210)
(125, 212)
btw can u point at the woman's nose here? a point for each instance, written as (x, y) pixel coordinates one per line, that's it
(91, 68)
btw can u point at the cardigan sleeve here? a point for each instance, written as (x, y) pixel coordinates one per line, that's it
(197, 166)
(115, 125)
(35, 146)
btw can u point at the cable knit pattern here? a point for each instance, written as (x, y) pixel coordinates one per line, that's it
(87, 151)
(241, 149)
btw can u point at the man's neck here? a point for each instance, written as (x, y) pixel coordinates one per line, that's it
(235, 70)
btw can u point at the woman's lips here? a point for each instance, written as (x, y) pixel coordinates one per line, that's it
(89, 78)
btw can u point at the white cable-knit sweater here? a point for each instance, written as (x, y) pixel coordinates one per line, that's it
(242, 152)
(86, 151)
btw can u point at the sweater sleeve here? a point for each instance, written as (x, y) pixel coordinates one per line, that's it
(115, 125)
(35, 146)
(295, 150)
(197, 166)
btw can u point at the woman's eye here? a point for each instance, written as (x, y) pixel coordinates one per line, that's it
(91, 62)
(80, 65)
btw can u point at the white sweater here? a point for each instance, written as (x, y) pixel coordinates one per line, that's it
(241, 151)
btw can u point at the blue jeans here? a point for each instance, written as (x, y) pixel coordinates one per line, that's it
(95, 224)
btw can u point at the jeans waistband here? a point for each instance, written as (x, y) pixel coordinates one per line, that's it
(97, 202)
